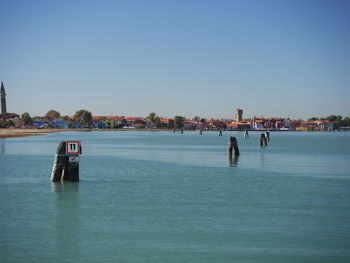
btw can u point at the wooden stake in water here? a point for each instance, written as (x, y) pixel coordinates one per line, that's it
(263, 140)
(232, 146)
(59, 162)
(66, 164)
(246, 135)
(267, 135)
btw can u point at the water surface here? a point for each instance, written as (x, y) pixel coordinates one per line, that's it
(164, 197)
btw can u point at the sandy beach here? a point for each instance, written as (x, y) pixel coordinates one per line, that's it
(12, 133)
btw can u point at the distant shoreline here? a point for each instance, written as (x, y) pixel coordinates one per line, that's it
(16, 133)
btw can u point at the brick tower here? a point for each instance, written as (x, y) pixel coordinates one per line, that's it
(239, 115)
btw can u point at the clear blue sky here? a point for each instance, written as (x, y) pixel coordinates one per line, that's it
(288, 58)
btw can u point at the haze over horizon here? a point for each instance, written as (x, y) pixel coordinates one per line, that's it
(189, 58)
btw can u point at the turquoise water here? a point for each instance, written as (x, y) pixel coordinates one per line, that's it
(164, 197)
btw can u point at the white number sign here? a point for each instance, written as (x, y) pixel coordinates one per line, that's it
(72, 147)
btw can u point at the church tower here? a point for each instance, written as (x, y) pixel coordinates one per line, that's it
(239, 115)
(3, 99)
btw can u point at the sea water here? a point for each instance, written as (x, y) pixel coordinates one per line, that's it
(171, 197)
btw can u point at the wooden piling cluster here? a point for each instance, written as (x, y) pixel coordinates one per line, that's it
(263, 140)
(232, 146)
(66, 164)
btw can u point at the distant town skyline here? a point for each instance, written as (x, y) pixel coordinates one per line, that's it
(288, 58)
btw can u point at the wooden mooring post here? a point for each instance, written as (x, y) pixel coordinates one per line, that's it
(66, 163)
(232, 146)
(246, 134)
(267, 135)
(263, 140)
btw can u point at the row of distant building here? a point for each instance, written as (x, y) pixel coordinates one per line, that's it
(122, 122)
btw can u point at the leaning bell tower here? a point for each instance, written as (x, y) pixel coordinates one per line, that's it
(3, 99)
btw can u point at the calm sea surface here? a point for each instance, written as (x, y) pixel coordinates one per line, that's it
(164, 197)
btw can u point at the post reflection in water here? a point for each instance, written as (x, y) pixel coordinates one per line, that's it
(67, 219)
(262, 160)
(2, 146)
(233, 160)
